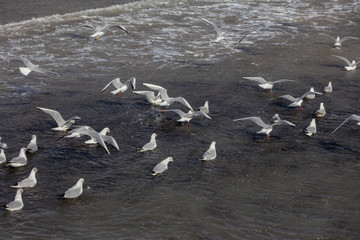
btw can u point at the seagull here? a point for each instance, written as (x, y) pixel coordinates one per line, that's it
(210, 154)
(3, 145)
(19, 161)
(32, 146)
(89, 131)
(296, 102)
(150, 145)
(352, 117)
(150, 96)
(328, 88)
(275, 118)
(321, 111)
(166, 99)
(28, 182)
(338, 40)
(187, 117)
(30, 67)
(311, 95)
(107, 139)
(266, 84)
(205, 108)
(219, 34)
(351, 65)
(311, 129)
(62, 124)
(17, 204)
(2, 156)
(76, 190)
(120, 87)
(101, 30)
(266, 128)
(162, 166)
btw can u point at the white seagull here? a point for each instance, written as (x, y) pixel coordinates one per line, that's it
(17, 204)
(150, 145)
(338, 40)
(166, 99)
(101, 30)
(210, 154)
(275, 118)
(62, 124)
(2, 156)
(150, 96)
(120, 87)
(321, 112)
(76, 190)
(268, 85)
(89, 131)
(3, 145)
(311, 95)
(205, 108)
(328, 88)
(162, 166)
(28, 182)
(266, 128)
(296, 102)
(19, 161)
(350, 65)
(219, 34)
(311, 129)
(187, 117)
(30, 67)
(32, 146)
(107, 139)
(352, 117)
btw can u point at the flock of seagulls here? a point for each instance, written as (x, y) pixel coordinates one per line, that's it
(157, 96)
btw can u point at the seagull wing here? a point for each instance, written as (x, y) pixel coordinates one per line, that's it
(283, 80)
(178, 111)
(256, 79)
(182, 101)
(162, 91)
(200, 113)
(89, 26)
(55, 114)
(352, 117)
(326, 35)
(118, 26)
(283, 122)
(288, 97)
(27, 62)
(110, 140)
(256, 120)
(342, 58)
(132, 81)
(92, 133)
(347, 38)
(217, 30)
(309, 92)
(115, 82)
(148, 94)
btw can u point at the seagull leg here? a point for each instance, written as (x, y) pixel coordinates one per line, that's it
(97, 38)
(268, 137)
(118, 94)
(189, 124)
(301, 108)
(271, 91)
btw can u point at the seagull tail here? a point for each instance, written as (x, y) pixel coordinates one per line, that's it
(25, 70)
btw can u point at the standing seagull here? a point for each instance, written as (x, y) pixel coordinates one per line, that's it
(351, 65)
(311, 129)
(219, 34)
(296, 102)
(121, 87)
(166, 99)
(30, 67)
(32, 146)
(321, 112)
(28, 182)
(266, 84)
(19, 161)
(101, 30)
(210, 154)
(266, 128)
(352, 117)
(328, 88)
(76, 190)
(62, 124)
(338, 40)
(2, 156)
(162, 166)
(150, 145)
(17, 204)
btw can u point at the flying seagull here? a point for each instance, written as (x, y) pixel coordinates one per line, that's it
(30, 67)
(120, 87)
(62, 124)
(101, 30)
(268, 85)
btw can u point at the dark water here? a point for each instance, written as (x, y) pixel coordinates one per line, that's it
(295, 187)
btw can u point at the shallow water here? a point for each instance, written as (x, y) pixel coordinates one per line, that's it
(294, 187)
